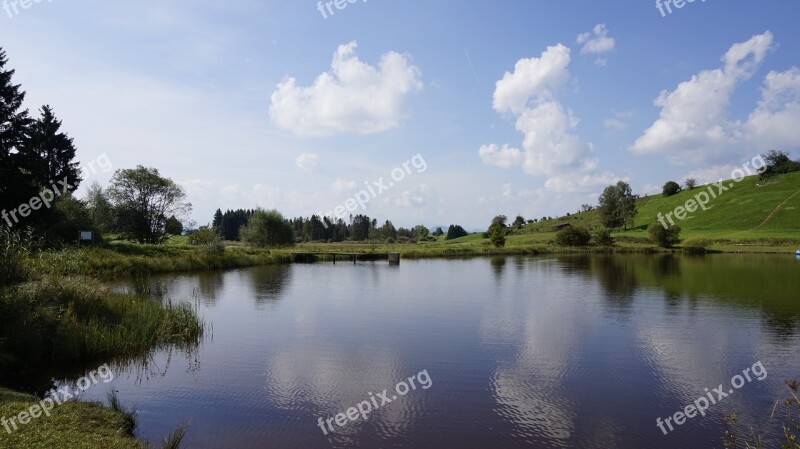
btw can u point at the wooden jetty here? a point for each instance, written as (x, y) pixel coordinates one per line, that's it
(311, 257)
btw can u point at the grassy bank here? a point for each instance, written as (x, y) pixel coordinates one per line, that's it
(54, 323)
(125, 260)
(56, 320)
(73, 425)
(135, 260)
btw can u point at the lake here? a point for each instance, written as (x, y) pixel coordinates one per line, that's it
(511, 352)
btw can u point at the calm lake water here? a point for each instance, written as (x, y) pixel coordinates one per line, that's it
(520, 352)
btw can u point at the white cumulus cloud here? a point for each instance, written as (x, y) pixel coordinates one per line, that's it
(694, 123)
(550, 146)
(774, 122)
(597, 41)
(352, 97)
(537, 77)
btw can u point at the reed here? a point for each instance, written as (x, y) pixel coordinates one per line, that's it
(69, 319)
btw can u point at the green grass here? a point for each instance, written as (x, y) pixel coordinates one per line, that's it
(764, 215)
(751, 207)
(73, 425)
(58, 319)
(133, 260)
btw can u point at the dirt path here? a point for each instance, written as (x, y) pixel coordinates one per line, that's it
(771, 214)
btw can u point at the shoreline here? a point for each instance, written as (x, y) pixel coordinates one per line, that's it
(111, 263)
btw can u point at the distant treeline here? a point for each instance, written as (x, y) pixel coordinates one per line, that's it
(358, 228)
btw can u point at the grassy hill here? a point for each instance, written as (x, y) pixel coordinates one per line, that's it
(751, 211)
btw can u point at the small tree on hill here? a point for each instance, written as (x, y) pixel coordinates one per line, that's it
(497, 231)
(497, 235)
(617, 206)
(778, 162)
(691, 183)
(519, 222)
(671, 188)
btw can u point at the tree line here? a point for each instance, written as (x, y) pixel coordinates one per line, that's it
(359, 228)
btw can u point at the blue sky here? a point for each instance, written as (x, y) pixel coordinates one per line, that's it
(268, 103)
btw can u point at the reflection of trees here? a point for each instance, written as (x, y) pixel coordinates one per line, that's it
(209, 284)
(763, 283)
(617, 275)
(268, 282)
(498, 265)
(781, 326)
(666, 267)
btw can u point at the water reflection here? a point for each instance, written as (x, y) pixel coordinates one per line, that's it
(209, 285)
(267, 283)
(558, 352)
(498, 265)
(618, 278)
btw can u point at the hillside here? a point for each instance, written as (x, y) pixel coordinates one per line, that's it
(751, 210)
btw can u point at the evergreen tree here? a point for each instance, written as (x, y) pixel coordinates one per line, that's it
(217, 223)
(16, 186)
(52, 150)
(361, 227)
(173, 226)
(455, 231)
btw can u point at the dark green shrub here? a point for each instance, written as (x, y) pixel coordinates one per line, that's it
(573, 236)
(671, 188)
(664, 237)
(455, 231)
(603, 237)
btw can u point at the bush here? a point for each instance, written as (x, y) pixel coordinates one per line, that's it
(603, 237)
(664, 237)
(691, 183)
(573, 236)
(267, 229)
(208, 239)
(671, 188)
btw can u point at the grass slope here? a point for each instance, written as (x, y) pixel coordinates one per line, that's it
(750, 212)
